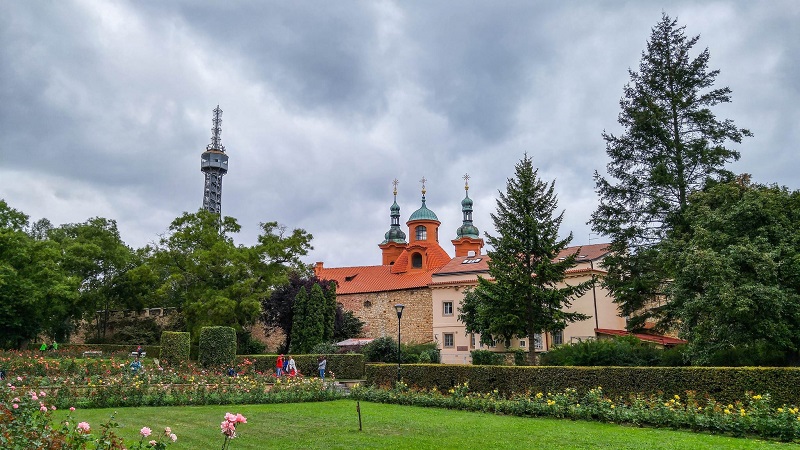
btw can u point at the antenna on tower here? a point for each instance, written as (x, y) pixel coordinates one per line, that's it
(216, 132)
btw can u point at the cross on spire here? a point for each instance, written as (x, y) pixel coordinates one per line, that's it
(423, 180)
(395, 183)
(466, 181)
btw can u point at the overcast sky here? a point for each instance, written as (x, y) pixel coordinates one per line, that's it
(106, 106)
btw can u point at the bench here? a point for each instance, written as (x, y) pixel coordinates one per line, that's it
(135, 354)
(92, 354)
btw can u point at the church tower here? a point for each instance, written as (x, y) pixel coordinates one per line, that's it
(468, 241)
(423, 251)
(394, 241)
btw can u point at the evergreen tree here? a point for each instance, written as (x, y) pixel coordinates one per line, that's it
(524, 299)
(672, 143)
(299, 320)
(330, 313)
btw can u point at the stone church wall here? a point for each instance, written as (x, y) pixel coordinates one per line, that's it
(376, 310)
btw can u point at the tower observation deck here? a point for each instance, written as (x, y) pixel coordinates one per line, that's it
(214, 164)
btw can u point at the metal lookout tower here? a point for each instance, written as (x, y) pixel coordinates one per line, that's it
(214, 164)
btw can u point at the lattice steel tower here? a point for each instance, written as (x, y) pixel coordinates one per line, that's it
(214, 164)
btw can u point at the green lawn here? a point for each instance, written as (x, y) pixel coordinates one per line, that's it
(334, 425)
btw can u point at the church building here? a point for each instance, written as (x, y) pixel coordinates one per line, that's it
(417, 272)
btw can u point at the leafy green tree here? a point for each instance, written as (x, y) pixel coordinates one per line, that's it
(35, 293)
(217, 282)
(525, 298)
(736, 285)
(94, 252)
(329, 316)
(671, 144)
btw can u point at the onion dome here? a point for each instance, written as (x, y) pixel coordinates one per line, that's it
(423, 213)
(395, 234)
(467, 229)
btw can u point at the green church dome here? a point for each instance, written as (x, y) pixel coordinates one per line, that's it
(423, 213)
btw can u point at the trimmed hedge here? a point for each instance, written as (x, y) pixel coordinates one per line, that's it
(345, 367)
(724, 384)
(175, 347)
(217, 347)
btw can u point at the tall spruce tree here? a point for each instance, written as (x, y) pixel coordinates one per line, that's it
(672, 143)
(525, 298)
(299, 320)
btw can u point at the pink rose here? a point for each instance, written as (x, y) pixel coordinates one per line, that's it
(167, 431)
(152, 443)
(72, 408)
(42, 394)
(53, 407)
(145, 431)
(173, 437)
(83, 427)
(240, 418)
(15, 406)
(230, 417)
(43, 408)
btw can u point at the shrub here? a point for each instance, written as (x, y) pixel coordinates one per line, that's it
(381, 350)
(620, 351)
(175, 347)
(520, 357)
(486, 358)
(217, 346)
(325, 348)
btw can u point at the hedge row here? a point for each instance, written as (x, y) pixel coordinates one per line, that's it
(175, 347)
(344, 367)
(724, 384)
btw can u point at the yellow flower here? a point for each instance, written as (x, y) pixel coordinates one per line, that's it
(539, 395)
(677, 397)
(756, 397)
(742, 412)
(780, 410)
(612, 406)
(727, 411)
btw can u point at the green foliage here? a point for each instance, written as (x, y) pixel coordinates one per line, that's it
(36, 294)
(217, 347)
(724, 384)
(279, 307)
(671, 145)
(346, 325)
(175, 347)
(383, 349)
(486, 358)
(520, 358)
(736, 285)
(620, 351)
(247, 345)
(325, 348)
(217, 282)
(518, 303)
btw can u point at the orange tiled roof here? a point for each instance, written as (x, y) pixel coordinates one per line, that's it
(457, 265)
(357, 280)
(655, 338)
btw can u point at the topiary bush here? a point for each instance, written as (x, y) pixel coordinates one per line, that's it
(175, 347)
(217, 347)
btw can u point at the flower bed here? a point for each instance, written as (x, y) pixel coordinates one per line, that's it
(754, 415)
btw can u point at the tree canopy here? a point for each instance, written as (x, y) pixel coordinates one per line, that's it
(671, 144)
(737, 271)
(525, 297)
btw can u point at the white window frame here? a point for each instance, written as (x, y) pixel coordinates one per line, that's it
(445, 308)
(452, 338)
(522, 343)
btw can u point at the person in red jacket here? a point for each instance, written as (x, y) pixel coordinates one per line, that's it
(279, 366)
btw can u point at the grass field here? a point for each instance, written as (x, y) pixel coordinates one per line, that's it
(334, 425)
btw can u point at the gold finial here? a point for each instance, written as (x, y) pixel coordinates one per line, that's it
(395, 183)
(466, 181)
(423, 180)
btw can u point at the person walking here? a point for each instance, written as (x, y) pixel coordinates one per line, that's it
(323, 363)
(279, 366)
(291, 367)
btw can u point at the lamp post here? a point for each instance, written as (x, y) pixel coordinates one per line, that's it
(399, 308)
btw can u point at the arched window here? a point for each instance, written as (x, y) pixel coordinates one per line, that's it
(416, 261)
(422, 233)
